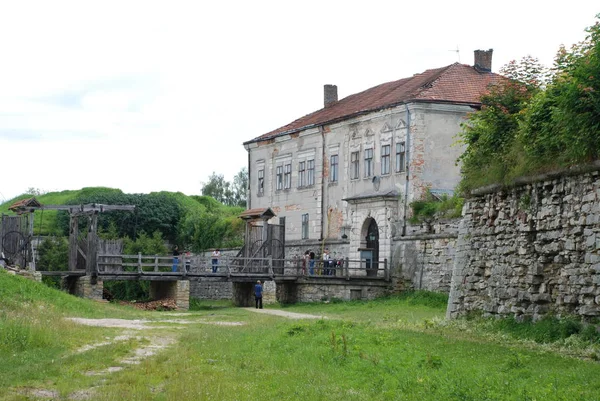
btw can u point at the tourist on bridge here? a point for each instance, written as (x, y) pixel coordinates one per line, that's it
(175, 258)
(216, 255)
(258, 291)
(311, 265)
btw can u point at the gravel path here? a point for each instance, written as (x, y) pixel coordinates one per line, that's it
(290, 315)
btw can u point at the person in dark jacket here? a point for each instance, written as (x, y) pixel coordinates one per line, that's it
(258, 291)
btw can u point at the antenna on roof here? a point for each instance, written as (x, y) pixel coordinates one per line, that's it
(457, 52)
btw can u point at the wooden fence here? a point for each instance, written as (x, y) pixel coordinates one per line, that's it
(232, 266)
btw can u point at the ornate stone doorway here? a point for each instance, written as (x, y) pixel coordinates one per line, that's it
(370, 251)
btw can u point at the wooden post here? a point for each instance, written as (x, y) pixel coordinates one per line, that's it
(155, 263)
(90, 262)
(73, 234)
(139, 263)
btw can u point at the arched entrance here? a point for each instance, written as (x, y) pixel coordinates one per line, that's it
(369, 251)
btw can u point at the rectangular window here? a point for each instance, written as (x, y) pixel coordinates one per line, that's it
(305, 226)
(385, 159)
(354, 165)
(310, 165)
(333, 168)
(279, 178)
(287, 176)
(400, 157)
(301, 174)
(261, 182)
(368, 162)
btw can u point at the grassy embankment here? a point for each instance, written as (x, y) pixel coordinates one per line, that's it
(390, 349)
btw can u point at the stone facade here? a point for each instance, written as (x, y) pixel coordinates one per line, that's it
(531, 249)
(350, 170)
(424, 258)
(307, 292)
(205, 289)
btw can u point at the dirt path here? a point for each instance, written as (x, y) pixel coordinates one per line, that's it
(289, 315)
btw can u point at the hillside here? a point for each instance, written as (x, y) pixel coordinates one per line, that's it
(197, 222)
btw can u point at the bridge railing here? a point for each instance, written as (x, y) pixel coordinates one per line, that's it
(234, 265)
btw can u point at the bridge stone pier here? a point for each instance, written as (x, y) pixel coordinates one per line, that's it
(179, 290)
(308, 290)
(84, 286)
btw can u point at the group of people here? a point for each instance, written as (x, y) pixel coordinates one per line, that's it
(309, 262)
(215, 256)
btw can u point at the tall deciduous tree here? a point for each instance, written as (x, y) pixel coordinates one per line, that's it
(230, 194)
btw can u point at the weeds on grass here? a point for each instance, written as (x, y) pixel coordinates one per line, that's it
(431, 362)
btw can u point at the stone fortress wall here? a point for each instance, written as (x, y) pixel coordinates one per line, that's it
(531, 249)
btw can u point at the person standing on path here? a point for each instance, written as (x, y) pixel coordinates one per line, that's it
(258, 290)
(215, 260)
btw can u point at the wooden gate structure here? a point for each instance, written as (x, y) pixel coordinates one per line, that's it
(83, 246)
(263, 242)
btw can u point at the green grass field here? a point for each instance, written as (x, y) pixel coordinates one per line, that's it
(397, 348)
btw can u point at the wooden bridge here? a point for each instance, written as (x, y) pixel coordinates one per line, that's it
(229, 268)
(292, 282)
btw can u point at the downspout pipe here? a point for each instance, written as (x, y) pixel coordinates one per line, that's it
(322, 183)
(406, 181)
(248, 198)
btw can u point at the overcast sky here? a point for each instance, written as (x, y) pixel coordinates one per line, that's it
(149, 96)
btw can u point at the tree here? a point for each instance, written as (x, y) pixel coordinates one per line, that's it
(563, 125)
(230, 194)
(217, 187)
(491, 132)
(240, 187)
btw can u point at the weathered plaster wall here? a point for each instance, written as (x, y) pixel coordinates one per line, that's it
(424, 259)
(531, 250)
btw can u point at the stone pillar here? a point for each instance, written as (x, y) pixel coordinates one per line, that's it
(86, 287)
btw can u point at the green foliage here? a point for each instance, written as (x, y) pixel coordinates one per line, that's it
(211, 225)
(137, 290)
(534, 122)
(53, 255)
(195, 222)
(227, 193)
(550, 329)
(490, 132)
(443, 207)
(146, 245)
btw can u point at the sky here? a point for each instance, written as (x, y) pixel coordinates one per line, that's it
(150, 96)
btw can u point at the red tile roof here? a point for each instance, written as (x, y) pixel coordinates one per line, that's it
(456, 83)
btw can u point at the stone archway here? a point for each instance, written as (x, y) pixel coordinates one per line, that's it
(369, 250)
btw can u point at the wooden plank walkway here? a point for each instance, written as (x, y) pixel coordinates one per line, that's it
(163, 268)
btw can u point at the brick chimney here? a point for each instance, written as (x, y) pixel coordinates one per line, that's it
(483, 60)
(330, 94)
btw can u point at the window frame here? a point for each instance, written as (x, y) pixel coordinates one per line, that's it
(355, 165)
(385, 159)
(302, 174)
(287, 176)
(334, 166)
(310, 168)
(261, 182)
(369, 164)
(400, 157)
(305, 226)
(279, 177)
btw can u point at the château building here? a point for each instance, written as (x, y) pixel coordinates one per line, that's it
(351, 169)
